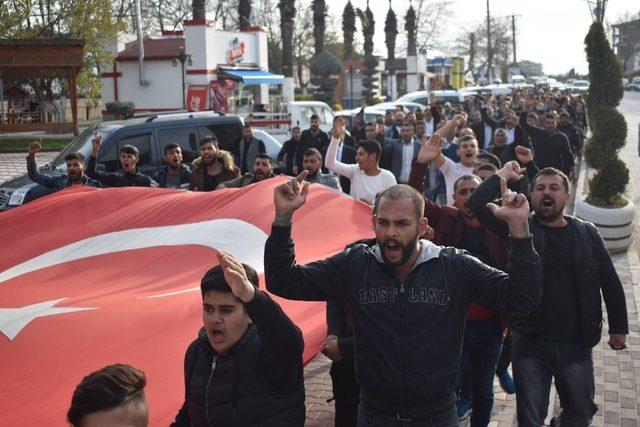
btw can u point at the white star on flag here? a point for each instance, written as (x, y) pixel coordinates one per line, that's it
(14, 320)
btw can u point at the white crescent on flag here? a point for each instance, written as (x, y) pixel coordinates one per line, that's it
(93, 277)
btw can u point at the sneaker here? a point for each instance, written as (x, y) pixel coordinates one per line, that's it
(506, 382)
(464, 408)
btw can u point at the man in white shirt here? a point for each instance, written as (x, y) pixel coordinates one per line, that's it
(367, 178)
(431, 151)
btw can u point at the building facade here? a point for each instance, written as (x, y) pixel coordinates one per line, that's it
(200, 68)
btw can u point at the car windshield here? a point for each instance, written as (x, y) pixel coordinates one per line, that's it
(81, 144)
(581, 84)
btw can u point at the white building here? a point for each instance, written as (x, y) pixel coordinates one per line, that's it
(201, 68)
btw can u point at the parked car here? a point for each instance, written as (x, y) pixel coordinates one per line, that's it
(149, 134)
(442, 96)
(270, 143)
(580, 86)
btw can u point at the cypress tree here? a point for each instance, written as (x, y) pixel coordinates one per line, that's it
(348, 29)
(608, 126)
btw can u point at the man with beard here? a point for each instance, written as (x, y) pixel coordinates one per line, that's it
(174, 174)
(367, 178)
(213, 167)
(312, 163)
(551, 147)
(482, 129)
(74, 176)
(288, 154)
(404, 152)
(262, 169)
(407, 298)
(566, 127)
(313, 137)
(555, 340)
(394, 131)
(248, 149)
(128, 177)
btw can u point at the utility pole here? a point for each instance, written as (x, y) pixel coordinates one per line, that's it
(489, 52)
(513, 34)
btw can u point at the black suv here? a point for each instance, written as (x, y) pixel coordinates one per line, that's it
(149, 134)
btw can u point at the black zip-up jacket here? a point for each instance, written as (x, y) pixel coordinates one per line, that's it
(118, 179)
(408, 336)
(594, 270)
(55, 183)
(549, 150)
(258, 382)
(161, 176)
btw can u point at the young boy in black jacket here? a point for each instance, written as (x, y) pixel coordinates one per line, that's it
(245, 367)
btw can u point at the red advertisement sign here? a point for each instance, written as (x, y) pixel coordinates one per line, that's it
(197, 98)
(218, 100)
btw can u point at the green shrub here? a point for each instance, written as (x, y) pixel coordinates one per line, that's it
(608, 126)
(336, 107)
(303, 97)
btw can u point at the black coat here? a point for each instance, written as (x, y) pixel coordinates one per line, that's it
(408, 336)
(594, 270)
(257, 383)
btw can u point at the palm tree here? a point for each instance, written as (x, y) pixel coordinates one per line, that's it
(348, 29)
(390, 34)
(287, 15)
(319, 13)
(198, 8)
(370, 61)
(410, 28)
(244, 12)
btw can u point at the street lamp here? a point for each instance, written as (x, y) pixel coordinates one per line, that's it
(182, 58)
(351, 86)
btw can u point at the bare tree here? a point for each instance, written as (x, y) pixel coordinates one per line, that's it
(472, 45)
(627, 42)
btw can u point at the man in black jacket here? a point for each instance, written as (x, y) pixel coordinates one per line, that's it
(245, 367)
(407, 299)
(128, 177)
(174, 174)
(551, 147)
(555, 340)
(313, 137)
(288, 155)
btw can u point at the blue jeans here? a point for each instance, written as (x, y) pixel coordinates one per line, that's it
(480, 352)
(535, 362)
(369, 417)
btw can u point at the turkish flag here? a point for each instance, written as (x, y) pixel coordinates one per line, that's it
(94, 277)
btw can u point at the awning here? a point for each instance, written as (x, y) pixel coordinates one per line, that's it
(252, 77)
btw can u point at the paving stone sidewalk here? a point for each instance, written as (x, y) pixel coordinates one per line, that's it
(14, 164)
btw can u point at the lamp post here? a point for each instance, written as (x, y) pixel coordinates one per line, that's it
(350, 86)
(182, 58)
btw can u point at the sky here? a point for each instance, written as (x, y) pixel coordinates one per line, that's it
(548, 31)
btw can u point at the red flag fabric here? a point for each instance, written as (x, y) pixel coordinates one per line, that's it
(94, 277)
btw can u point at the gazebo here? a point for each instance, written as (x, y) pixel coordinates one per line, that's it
(23, 59)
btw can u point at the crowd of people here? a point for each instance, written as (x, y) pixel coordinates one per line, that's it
(474, 267)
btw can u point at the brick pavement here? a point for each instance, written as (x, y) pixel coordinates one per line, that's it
(14, 164)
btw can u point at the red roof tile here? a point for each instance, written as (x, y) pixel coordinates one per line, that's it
(166, 48)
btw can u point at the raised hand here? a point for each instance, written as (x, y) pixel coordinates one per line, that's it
(291, 195)
(430, 148)
(35, 147)
(524, 154)
(514, 211)
(511, 171)
(339, 128)
(432, 99)
(236, 277)
(96, 142)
